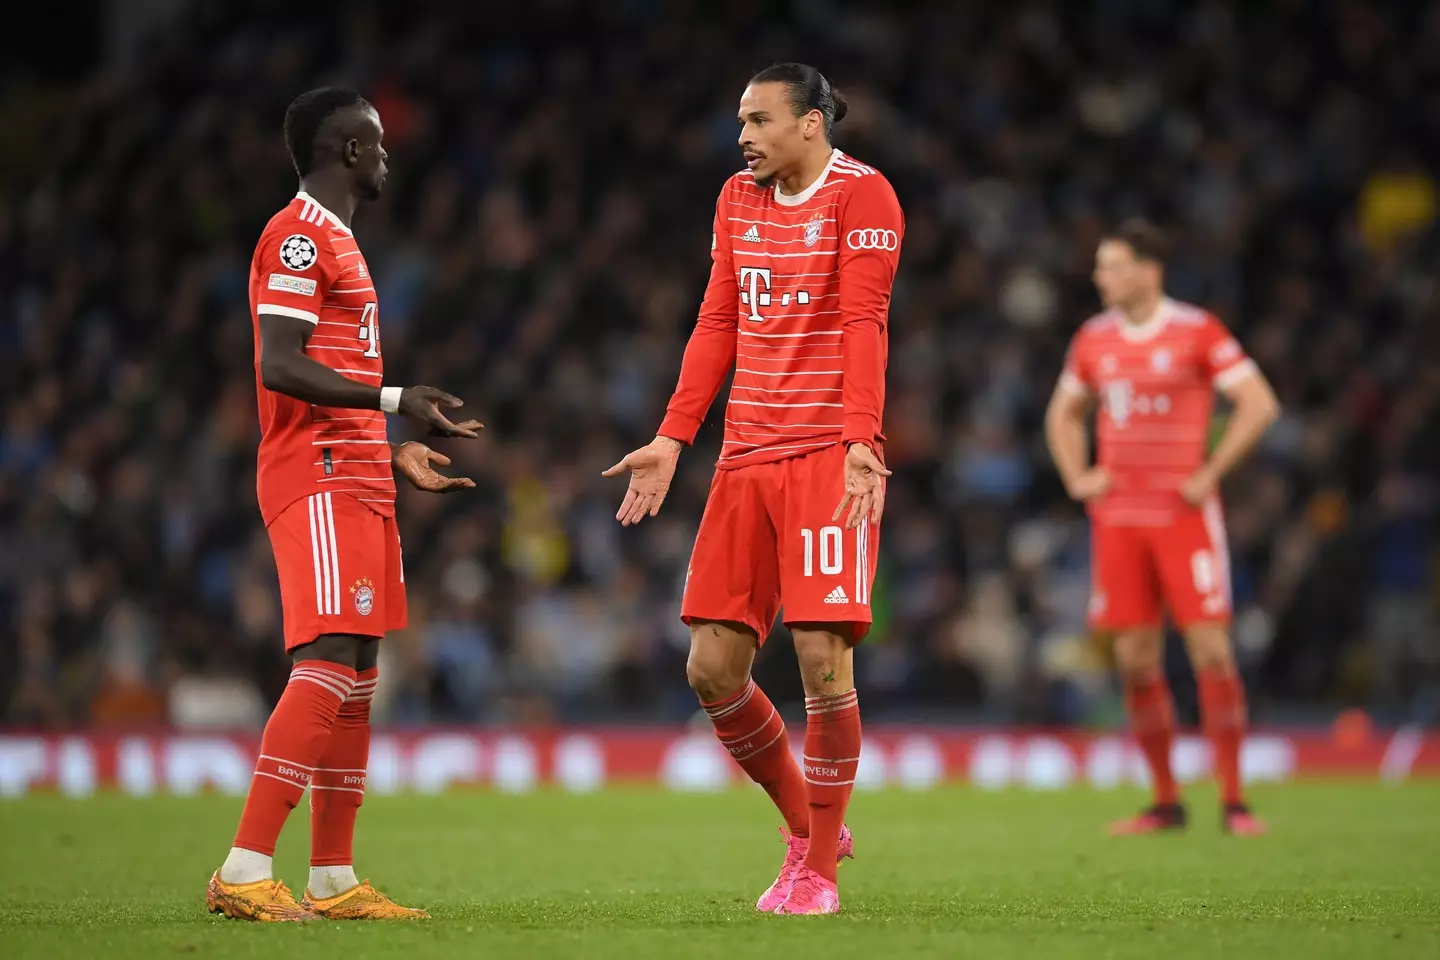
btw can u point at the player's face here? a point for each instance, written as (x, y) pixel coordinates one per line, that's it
(1119, 276)
(370, 156)
(771, 136)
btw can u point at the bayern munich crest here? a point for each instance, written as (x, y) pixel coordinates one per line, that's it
(364, 593)
(298, 252)
(813, 228)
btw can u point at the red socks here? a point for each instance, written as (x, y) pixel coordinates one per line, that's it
(1152, 718)
(338, 786)
(751, 729)
(295, 736)
(832, 755)
(1222, 714)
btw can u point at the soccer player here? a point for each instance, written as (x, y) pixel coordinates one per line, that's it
(327, 496)
(1153, 497)
(806, 242)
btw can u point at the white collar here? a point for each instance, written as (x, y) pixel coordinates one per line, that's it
(1150, 329)
(795, 200)
(334, 220)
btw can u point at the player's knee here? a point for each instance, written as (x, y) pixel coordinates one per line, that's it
(1209, 647)
(713, 678)
(720, 660)
(1138, 654)
(823, 654)
(367, 657)
(332, 648)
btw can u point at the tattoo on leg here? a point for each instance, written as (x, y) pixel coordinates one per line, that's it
(828, 677)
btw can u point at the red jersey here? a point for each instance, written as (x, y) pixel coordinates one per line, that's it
(798, 303)
(307, 265)
(1156, 385)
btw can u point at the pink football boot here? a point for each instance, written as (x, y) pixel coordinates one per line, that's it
(796, 849)
(1238, 821)
(811, 895)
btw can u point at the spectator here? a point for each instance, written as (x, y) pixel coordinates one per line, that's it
(542, 246)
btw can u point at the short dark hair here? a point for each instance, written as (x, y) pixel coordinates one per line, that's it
(1144, 238)
(307, 114)
(809, 90)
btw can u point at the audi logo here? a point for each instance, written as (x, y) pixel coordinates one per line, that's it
(873, 240)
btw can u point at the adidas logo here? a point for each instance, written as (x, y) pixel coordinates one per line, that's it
(837, 596)
(753, 234)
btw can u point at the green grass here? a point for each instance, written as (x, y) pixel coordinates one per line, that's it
(1350, 871)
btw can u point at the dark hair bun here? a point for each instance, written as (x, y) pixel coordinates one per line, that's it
(842, 106)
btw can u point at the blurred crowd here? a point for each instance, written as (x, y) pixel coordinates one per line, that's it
(540, 251)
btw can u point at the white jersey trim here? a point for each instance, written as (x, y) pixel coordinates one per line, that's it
(786, 200)
(1151, 328)
(1228, 379)
(280, 311)
(315, 212)
(1073, 384)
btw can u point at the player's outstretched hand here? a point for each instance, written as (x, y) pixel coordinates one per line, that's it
(422, 404)
(413, 460)
(1095, 482)
(651, 469)
(864, 486)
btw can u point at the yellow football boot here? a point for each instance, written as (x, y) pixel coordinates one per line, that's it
(267, 901)
(362, 902)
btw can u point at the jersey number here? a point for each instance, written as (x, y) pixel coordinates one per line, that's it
(832, 553)
(370, 331)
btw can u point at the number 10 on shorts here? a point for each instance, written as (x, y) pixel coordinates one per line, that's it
(832, 553)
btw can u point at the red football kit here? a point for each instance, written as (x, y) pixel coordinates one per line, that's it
(326, 489)
(1156, 385)
(798, 305)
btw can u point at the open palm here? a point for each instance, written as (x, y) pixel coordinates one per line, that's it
(651, 469)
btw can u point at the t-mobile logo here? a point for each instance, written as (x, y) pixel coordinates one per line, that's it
(750, 293)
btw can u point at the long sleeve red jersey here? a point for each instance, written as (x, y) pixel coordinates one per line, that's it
(798, 302)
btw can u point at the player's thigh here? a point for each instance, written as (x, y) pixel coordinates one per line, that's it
(826, 570)
(1193, 560)
(330, 554)
(733, 572)
(1124, 588)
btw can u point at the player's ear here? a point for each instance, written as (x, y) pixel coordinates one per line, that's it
(352, 152)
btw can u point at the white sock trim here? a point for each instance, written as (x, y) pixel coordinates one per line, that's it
(246, 866)
(327, 882)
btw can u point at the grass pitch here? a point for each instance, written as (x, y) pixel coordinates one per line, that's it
(1350, 871)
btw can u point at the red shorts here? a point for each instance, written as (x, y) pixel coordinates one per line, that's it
(1138, 573)
(767, 541)
(340, 569)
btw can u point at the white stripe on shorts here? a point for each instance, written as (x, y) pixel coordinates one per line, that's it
(318, 554)
(860, 562)
(334, 553)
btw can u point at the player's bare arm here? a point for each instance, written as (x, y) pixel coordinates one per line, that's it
(651, 469)
(286, 369)
(709, 358)
(1068, 439)
(1255, 409)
